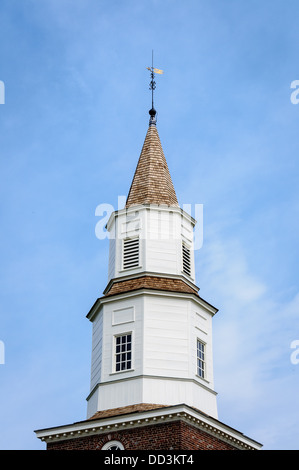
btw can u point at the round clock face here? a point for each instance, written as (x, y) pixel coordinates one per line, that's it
(113, 445)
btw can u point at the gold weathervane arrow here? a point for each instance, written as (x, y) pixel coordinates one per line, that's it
(152, 69)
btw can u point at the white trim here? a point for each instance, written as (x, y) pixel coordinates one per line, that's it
(125, 333)
(201, 316)
(202, 331)
(109, 444)
(129, 269)
(196, 380)
(204, 360)
(115, 323)
(140, 207)
(167, 414)
(125, 295)
(119, 372)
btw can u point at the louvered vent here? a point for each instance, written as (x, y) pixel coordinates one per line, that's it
(131, 253)
(186, 260)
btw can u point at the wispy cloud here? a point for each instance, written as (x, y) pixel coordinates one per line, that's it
(252, 336)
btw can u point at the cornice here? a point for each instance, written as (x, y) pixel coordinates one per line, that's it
(145, 291)
(146, 418)
(141, 207)
(198, 381)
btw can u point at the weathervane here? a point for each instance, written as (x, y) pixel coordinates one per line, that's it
(152, 86)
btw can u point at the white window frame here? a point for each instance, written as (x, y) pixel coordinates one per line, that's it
(110, 444)
(201, 371)
(119, 352)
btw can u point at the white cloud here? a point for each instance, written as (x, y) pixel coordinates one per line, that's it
(252, 334)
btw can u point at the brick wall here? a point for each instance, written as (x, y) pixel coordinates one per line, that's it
(169, 436)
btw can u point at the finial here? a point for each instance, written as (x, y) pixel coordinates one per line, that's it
(152, 86)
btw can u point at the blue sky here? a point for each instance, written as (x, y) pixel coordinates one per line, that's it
(72, 127)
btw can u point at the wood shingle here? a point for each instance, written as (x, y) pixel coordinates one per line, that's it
(152, 182)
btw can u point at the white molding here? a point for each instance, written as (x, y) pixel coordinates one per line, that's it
(122, 322)
(125, 295)
(146, 418)
(202, 331)
(179, 277)
(123, 333)
(196, 380)
(140, 207)
(113, 443)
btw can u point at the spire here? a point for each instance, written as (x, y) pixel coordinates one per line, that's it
(152, 182)
(152, 87)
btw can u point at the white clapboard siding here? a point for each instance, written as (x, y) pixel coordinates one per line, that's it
(97, 342)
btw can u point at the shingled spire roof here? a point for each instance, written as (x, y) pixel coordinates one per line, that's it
(152, 182)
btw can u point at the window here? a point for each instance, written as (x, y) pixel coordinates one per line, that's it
(123, 352)
(131, 253)
(113, 445)
(201, 364)
(186, 259)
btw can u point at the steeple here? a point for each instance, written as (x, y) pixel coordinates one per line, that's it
(151, 382)
(152, 182)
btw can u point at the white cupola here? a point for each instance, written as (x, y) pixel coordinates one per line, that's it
(152, 332)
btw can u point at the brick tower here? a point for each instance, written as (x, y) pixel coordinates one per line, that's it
(151, 367)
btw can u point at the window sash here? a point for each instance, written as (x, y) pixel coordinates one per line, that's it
(123, 352)
(201, 359)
